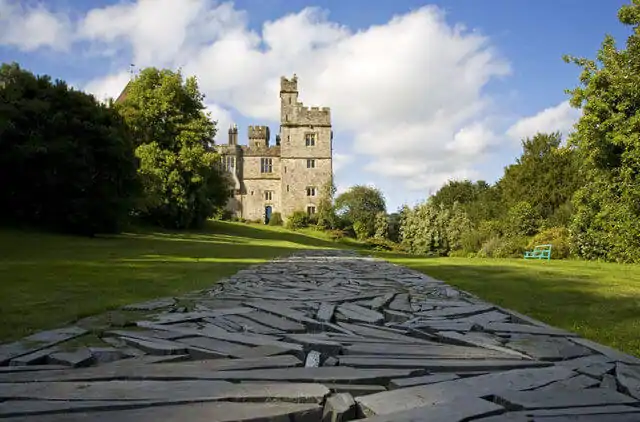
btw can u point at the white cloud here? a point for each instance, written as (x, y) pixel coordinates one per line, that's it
(224, 122)
(409, 91)
(110, 86)
(558, 118)
(159, 32)
(31, 27)
(340, 161)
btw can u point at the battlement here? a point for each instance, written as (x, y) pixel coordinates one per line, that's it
(314, 116)
(289, 85)
(258, 132)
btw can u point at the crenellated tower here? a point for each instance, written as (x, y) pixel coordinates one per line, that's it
(306, 149)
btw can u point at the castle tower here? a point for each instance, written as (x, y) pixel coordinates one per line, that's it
(233, 134)
(306, 150)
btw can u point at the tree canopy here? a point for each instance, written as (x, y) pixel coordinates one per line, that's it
(607, 207)
(182, 182)
(359, 206)
(66, 161)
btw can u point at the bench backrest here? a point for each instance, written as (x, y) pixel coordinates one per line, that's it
(542, 248)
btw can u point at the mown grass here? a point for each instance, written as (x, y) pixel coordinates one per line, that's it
(47, 280)
(599, 301)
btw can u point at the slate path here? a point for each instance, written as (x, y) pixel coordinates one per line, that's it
(320, 336)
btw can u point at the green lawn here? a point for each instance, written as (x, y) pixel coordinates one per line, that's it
(47, 280)
(599, 301)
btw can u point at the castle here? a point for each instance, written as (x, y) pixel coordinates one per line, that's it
(288, 176)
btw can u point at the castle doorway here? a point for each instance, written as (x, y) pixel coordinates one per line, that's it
(267, 214)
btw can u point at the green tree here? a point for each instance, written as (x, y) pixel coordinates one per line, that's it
(359, 206)
(606, 221)
(326, 213)
(479, 200)
(182, 181)
(545, 175)
(381, 226)
(66, 161)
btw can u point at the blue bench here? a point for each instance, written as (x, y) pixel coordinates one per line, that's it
(539, 252)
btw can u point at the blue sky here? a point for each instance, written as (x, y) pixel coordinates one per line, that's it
(421, 92)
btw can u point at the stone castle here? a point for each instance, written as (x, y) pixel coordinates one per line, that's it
(288, 176)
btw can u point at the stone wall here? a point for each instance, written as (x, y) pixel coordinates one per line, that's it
(296, 180)
(254, 202)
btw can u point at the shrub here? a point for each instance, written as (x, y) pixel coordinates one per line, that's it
(382, 244)
(503, 247)
(522, 220)
(381, 226)
(361, 230)
(336, 234)
(276, 219)
(297, 220)
(312, 220)
(511, 247)
(558, 238)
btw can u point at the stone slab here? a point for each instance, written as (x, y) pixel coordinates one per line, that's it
(629, 379)
(438, 365)
(325, 312)
(165, 390)
(526, 329)
(454, 411)
(557, 398)
(196, 370)
(339, 408)
(423, 380)
(313, 359)
(275, 322)
(547, 348)
(195, 412)
(78, 358)
(38, 341)
(478, 386)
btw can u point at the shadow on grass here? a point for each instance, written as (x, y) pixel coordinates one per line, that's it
(596, 301)
(49, 279)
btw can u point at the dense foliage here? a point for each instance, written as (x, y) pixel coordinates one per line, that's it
(606, 222)
(358, 207)
(182, 183)
(66, 161)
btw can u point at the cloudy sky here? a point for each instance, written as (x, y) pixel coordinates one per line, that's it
(420, 92)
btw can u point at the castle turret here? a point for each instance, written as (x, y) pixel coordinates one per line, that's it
(233, 134)
(288, 99)
(259, 136)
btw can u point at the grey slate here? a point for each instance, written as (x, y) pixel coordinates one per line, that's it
(78, 358)
(339, 408)
(423, 380)
(547, 399)
(629, 379)
(196, 412)
(325, 312)
(454, 411)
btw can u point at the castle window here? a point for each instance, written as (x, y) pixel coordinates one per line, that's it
(311, 210)
(310, 139)
(311, 163)
(229, 163)
(268, 195)
(311, 191)
(287, 188)
(266, 165)
(285, 169)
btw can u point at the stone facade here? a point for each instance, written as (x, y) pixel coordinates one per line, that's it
(288, 176)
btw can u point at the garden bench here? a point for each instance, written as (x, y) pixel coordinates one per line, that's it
(539, 252)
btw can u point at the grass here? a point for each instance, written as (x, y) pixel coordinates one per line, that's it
(599, 301)
(47, 280)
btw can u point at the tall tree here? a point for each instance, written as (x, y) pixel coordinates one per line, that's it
(183, 185)
(359, 206)
(66, 161)
(607, 208)
(545, 175)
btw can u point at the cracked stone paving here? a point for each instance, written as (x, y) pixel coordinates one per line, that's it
(317, 336)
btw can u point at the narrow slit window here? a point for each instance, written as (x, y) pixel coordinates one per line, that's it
(311, 163)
